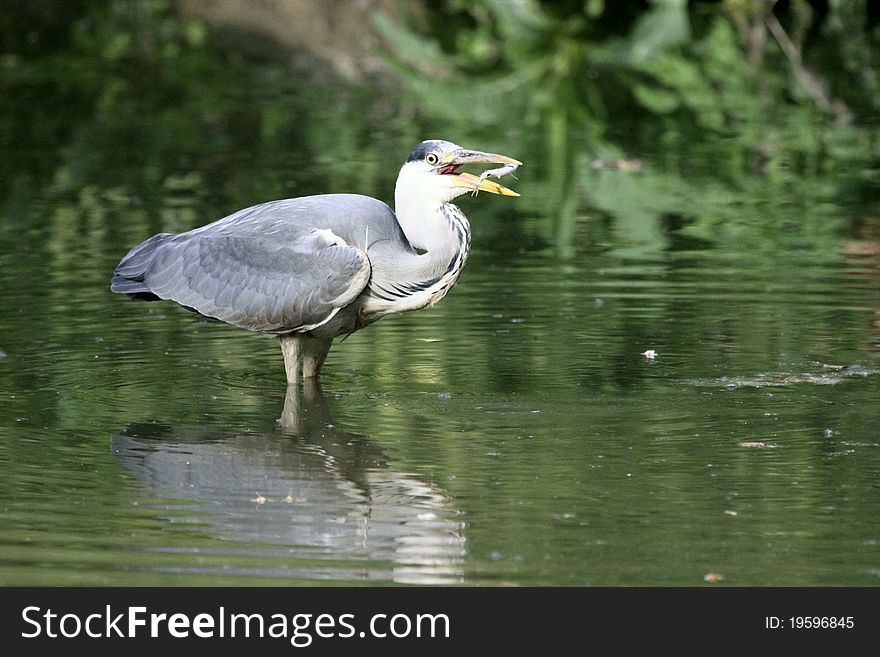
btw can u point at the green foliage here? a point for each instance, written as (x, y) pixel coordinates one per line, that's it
(670, 85)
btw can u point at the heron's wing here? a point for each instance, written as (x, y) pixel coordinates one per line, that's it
(257, 282)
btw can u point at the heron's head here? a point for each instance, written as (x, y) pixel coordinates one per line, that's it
(430, 174)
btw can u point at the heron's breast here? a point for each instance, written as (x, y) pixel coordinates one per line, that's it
(386, 297)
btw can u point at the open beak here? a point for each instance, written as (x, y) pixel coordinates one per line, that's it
(451, 162)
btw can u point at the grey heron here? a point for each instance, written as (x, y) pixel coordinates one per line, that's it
(313, 268)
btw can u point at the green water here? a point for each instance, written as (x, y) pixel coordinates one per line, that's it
(515, 434)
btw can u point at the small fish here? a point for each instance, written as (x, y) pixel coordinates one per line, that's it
(506, 170)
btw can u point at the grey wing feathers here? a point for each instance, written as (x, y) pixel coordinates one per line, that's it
(359, 220)
(279, 267)
(257, 284)
(128, 278)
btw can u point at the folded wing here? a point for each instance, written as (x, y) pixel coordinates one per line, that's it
(255, 282)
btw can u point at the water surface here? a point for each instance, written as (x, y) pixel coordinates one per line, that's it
(514, 434)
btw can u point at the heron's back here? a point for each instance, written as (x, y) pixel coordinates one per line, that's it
(353, 217)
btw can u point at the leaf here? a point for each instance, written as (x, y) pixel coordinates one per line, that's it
(421, 53)
(656, 99)
(665, 25)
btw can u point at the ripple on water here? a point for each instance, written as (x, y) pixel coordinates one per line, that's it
(828, 377)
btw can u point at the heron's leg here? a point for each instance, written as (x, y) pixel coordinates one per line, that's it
(291, 414)
(314, 352)
(304, 407)
(312, 393)
(291, 347)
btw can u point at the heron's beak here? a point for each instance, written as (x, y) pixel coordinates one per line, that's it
(462, 156)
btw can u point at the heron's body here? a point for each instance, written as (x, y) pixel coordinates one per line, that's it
(313, 268)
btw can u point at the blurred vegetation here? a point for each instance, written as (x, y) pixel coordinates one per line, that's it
(676, 122)
(717, 106)
(768, 107)
(130, 101)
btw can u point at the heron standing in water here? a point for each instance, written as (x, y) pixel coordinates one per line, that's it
(314, 268)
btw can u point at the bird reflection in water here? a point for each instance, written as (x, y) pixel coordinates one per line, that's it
(321, 492)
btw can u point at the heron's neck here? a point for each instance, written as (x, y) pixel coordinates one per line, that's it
(402, 282)
(438, 228)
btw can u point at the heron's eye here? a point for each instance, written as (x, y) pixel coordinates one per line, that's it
(432, 158)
